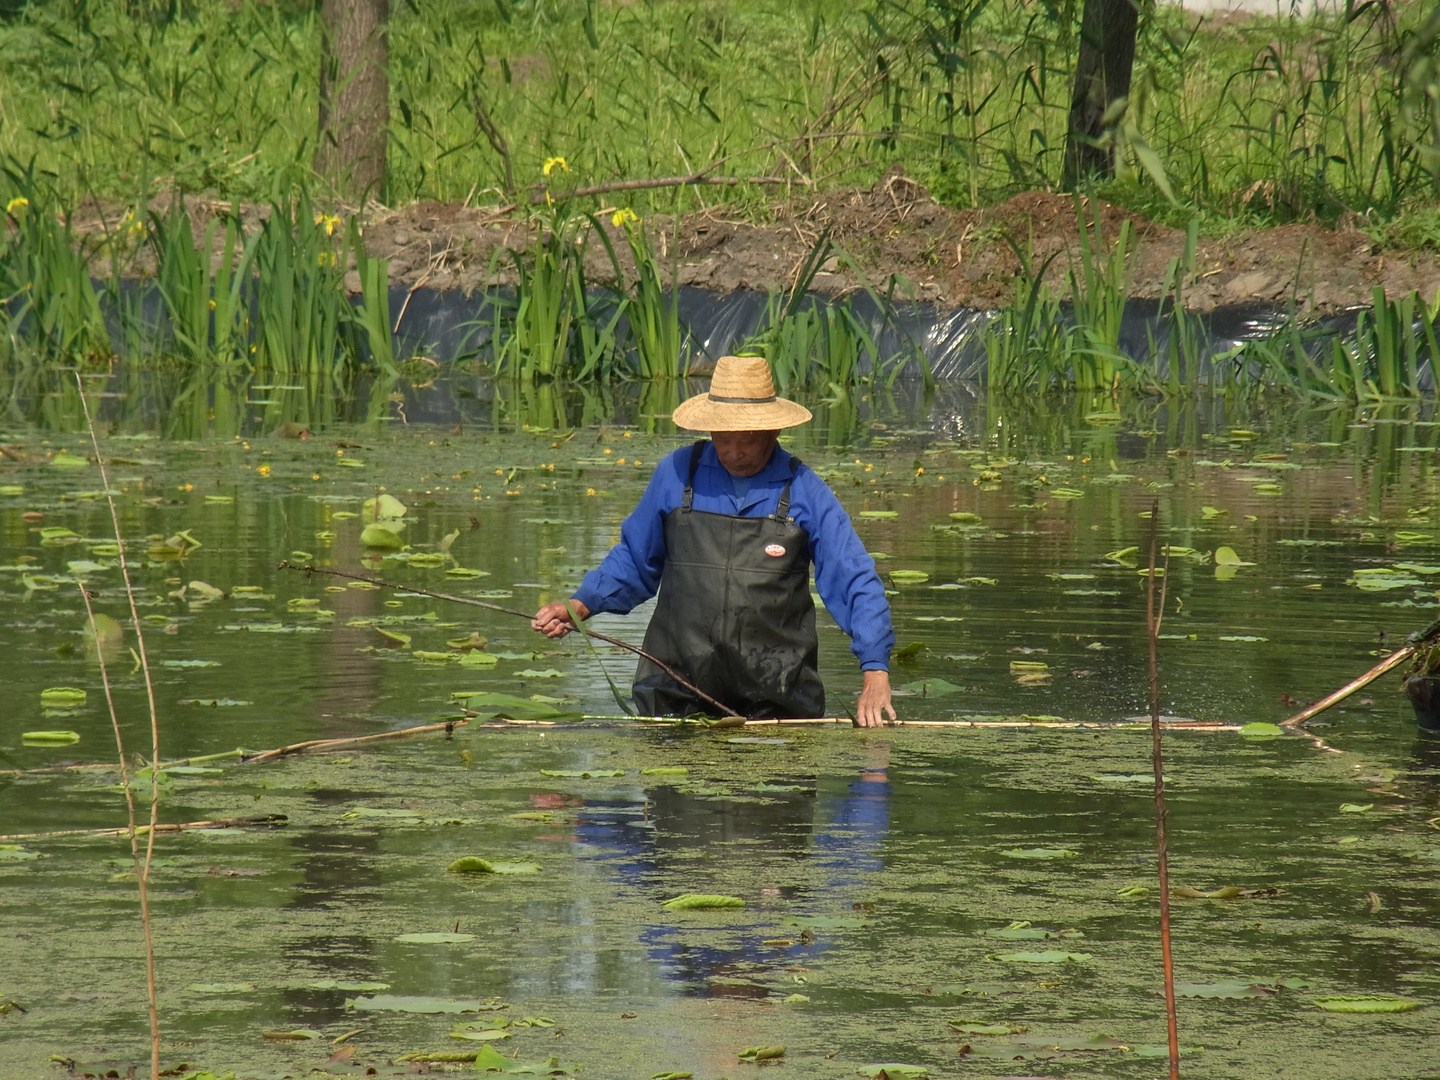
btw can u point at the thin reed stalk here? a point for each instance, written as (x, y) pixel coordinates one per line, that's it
(142, 867)
(1153, 618)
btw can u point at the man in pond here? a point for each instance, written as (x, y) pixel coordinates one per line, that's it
(726, 533)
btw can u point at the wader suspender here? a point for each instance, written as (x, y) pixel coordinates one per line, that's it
(782, 507)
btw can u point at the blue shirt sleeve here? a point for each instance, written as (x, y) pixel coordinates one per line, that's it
(845, 573)
(630, 574)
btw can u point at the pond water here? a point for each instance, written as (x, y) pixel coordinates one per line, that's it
(874, 866)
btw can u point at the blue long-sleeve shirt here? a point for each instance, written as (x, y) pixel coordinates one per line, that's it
(844, 571)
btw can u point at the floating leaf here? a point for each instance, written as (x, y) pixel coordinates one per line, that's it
(701, 901)
(895, 1071)
(69, 461)
(60, 697)
(1050, 956)
(540, 673)
(485, 1035)
(382, 535)
(1160, 1050)
(1225, 989)
(1241, 637)
(1040, 853)
(478, 658)
(1209, 513)
(15, 853)
(1066, 493)
(396, 640)
(1261, 730)
(297, 1035)
(1023, 931)
(884, 515)
(401, 1003)
(50, 738)
(381, 507)
(963, 517)
(1367, 1003)
(1404, 536)
(905, 652)
(931, 687)
(762, 1053)
(434, 938)
(1225, 556)
(465, 572)
(1356, 808)
(666, 770)
(581, 774)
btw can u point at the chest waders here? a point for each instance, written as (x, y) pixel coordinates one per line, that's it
(734, 614)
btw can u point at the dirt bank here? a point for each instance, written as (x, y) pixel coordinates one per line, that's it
(956, 258)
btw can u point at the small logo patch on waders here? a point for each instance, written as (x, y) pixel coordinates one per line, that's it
(774, 550)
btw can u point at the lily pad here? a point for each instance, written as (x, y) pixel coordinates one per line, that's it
(15, 853)
(1367, 1003)
(971, 1027)
(50, 738)
(62, 697)
(434, 938)
(963, 517)
(701, 902)
(295, 1035)
(465, 572)
(1225, 989)
(1356, 808)
(1040, 853)
(1049, 956)
(666, 770)
(1225, 556)
(378, 536)
(892, 1070)
(931, 687)
(581, 774)
(1261, 730)
(881, 515)
(762, 1053)
(909, 577)
(402, 1003)
(486, 1035)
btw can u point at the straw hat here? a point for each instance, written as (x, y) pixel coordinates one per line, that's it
(741, 398)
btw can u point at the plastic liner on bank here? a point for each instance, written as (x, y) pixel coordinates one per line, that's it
(450, 325)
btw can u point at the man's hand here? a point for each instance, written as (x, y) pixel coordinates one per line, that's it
(554, 621)
(874, 699)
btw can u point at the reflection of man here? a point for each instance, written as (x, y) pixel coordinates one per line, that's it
(726, 532)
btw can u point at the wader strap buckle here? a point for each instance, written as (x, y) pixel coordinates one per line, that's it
(782, 508)
(689, 496)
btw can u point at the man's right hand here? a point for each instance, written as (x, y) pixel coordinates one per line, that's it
(554, 621)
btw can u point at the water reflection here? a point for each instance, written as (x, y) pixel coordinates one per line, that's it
(813, 849)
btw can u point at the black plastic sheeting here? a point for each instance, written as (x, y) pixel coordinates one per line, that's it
(448, 325)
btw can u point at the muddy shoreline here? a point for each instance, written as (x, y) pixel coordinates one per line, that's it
(892, 238)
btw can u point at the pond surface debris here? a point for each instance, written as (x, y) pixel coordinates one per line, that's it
(555, 896)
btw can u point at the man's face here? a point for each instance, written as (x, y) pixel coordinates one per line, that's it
(744, 453)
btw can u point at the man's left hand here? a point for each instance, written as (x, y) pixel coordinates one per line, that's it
(874, 700)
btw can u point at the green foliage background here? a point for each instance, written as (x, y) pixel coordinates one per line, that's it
(1263, 119)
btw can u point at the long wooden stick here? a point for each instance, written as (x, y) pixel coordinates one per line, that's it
(1157, 760)
(142, 869)
(264, 821)
(1394, 660)
(335, 744)
(286, 564)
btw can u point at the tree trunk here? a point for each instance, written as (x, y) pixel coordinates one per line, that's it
(354, 96)
(1102, 76)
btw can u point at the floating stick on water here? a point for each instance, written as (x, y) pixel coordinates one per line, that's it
(1415, 643)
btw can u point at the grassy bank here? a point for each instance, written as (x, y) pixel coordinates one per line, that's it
(1252, 119)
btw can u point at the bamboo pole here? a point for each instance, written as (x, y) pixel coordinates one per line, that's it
(1390, 663)
(265, 821)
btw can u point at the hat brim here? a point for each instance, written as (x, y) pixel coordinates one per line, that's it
(700, 413)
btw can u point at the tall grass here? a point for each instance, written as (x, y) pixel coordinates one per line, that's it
(1269, 118)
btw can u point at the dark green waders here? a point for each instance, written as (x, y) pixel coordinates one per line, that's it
(734, 615)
